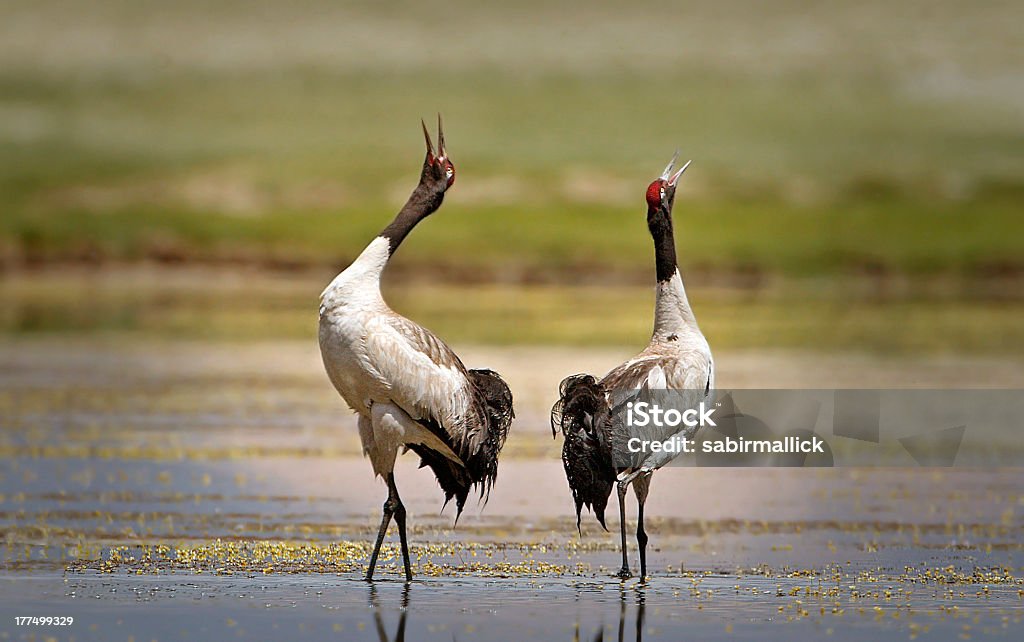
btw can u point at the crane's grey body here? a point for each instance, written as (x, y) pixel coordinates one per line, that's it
(677, 358)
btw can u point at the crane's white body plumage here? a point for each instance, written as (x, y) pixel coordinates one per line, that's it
(389, 370)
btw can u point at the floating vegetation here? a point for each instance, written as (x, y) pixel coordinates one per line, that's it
(273, 556)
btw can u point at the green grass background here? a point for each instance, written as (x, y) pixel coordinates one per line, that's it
(843, 146)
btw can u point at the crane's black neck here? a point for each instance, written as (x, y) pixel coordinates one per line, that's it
(659, 222)
(423, 202)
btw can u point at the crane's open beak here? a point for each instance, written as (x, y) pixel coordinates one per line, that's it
(668, 176)
(440, 153)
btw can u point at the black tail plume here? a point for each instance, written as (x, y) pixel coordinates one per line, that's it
(481, 466)
(496, 398)
(581, 413)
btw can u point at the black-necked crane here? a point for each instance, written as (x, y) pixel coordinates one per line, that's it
(408, 388)
(677, 358)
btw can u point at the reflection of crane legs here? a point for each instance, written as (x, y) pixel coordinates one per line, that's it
(599, 636)
(382, 634)
(379, 621)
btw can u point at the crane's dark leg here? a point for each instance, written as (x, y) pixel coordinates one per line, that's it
(624, 571)
(384, 522)
(400, 520)
(641, 485)
(641, 540)
(392, 507)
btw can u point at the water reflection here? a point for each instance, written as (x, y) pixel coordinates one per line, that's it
(378, 619)
(624, 599)
(631, 610)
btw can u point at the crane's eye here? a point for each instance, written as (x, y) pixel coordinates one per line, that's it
(449, 172)
(662, 193)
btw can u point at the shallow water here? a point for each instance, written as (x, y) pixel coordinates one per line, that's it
(183, 491)
(312, 607)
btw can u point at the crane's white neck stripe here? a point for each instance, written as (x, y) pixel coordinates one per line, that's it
(363, 273)
(672, 312)
(374, 258)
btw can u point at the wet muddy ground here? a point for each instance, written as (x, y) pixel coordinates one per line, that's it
(180, 490)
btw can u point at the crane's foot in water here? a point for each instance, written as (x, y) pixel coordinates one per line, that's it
(624, 573)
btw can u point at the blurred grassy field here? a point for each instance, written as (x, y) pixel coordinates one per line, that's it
(846, 314)
(858, 175)
(826, 139)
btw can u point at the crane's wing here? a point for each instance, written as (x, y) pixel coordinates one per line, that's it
(690, 377)
(689, 370)
(425, 378)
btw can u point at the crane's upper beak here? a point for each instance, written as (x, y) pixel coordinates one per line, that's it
(668, 176)
(440, 154)
(430, 144)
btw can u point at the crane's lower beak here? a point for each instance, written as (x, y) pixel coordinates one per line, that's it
(675, 177)
(668, 176)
